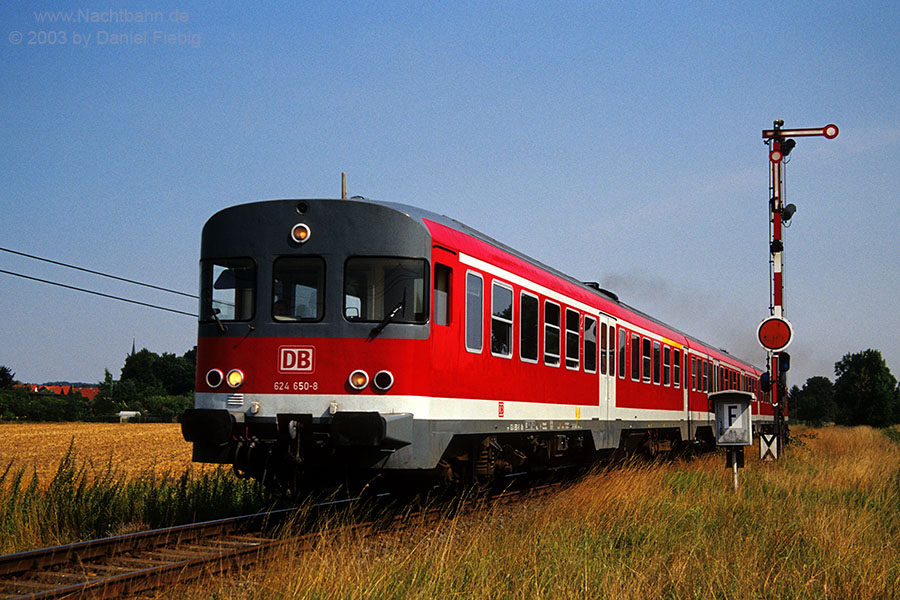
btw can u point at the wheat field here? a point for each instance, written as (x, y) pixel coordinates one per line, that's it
(133, 448)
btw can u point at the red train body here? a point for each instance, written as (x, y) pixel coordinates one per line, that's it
(339, 338)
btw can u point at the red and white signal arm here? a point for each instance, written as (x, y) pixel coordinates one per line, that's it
(775, 334)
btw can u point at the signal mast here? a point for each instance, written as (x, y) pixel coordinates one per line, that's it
(775, 332)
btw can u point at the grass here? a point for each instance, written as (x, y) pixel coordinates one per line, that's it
(824, 522)
(83, 502)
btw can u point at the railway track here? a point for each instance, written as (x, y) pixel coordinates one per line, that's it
(127, 564)
(132, 563)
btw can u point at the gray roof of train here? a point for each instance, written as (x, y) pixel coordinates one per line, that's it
(421, 213)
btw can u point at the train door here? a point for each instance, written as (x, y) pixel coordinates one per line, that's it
(607, 392)
(681, 376)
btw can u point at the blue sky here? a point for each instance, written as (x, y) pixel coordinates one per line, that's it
(616, 142)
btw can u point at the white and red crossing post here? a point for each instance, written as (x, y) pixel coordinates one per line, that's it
(775, 332)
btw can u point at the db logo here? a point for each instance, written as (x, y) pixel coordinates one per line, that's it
(296, 359)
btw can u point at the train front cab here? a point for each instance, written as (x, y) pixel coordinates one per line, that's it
(312, 340)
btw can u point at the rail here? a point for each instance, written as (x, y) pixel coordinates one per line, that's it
(129, 563)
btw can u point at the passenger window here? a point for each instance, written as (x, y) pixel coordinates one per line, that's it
(551, 333)
(647, 360)
(604, 350)
(501, 319)
(611, 350)
(573, 338)
(667, 365)
(693, 373)
(677, 367)
(622, 337)
(656, 362)
(474, 312)
(635, 357)
(706, 376)
(590, 345)
(298, 288)
(528, 327)
(442, 275)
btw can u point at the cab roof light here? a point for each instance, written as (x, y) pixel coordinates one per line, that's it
(300, 233)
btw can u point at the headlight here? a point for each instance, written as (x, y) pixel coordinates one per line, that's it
(235, 378)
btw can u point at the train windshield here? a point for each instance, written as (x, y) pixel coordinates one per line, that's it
(227, 289)
(376, 289)
(298, 288)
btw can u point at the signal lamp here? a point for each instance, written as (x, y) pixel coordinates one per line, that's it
(235, 378)
(214, 378)
(777, 246)
(784, 362)
(788, 211)
(358, 379)
(787, 146)
(300, 233)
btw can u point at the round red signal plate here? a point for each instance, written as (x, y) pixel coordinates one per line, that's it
(775, 334)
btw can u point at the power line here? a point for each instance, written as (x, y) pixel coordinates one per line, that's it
(78, 289)
(62, 264)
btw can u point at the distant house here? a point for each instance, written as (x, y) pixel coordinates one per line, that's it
(88, 393)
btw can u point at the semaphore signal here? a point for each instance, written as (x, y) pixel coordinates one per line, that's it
(775, 332)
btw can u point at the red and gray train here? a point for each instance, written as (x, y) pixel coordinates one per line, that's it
(340, 339)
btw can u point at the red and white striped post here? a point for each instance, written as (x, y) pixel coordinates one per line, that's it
(772, 334)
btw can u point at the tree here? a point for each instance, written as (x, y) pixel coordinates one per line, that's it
(155, 375)
(107, 401)
(7, 377)
(167, 408)
(865, 391)
(814, 403)
(176, 374)
(138, 368)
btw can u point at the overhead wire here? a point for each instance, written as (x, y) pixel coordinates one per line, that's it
(72, 287)
(100, 273)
